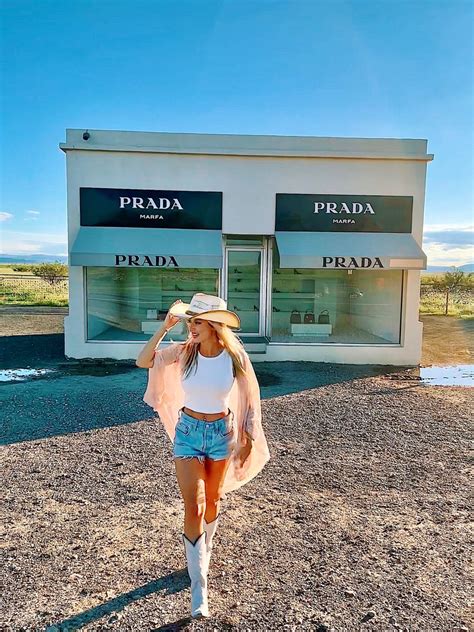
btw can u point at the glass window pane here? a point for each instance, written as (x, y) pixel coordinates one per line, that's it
(243, 288)
(336, 306)
(244, 240)
(130, 304)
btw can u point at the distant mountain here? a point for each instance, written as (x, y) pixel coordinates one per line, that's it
(467, 267)
(32, 258)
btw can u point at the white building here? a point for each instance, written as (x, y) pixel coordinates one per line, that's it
(314, 242)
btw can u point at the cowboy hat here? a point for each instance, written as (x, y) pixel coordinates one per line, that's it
(206, 307)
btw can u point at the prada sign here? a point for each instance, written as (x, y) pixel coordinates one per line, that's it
(350, 263)
(150, 208)
(348, 213)
(154, 261)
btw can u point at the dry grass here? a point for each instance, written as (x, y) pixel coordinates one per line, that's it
(25, 289)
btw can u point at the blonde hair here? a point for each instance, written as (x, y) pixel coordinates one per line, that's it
(227, 339)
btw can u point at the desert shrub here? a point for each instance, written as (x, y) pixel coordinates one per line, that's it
(428, 279)
(451, 284)
(451, 293)
(22, 267)
(51, 272)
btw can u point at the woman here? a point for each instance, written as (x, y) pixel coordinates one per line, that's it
(208, 399)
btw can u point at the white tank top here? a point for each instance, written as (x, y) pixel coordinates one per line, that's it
(208, 390)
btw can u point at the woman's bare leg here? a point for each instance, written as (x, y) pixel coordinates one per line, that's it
(191, 476)
(214, 480)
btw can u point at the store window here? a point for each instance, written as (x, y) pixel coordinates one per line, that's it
(244, 240)
(244, 288)
(130, 304)
(336, 306)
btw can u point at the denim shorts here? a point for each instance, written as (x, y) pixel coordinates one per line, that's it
(203, 439)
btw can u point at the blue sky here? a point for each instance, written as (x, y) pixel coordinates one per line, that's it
(362, 68)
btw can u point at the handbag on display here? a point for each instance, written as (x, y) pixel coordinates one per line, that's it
(323, 318)
(295, 317)
(308, 317)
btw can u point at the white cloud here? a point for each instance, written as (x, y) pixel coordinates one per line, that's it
(17, 243)
(4, 216)
(21, 248)
(449, 234)
(32, 212)
(435, 227)
(449, 244)
(438, 254)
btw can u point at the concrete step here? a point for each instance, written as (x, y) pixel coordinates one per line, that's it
(257, 356)
(256, 346)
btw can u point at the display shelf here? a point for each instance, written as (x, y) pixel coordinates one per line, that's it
(310, 329)
(278, 295)
(151, 326)
(288, 311)
(179, 293)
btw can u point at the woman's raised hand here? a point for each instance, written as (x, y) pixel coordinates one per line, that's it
(170, 320)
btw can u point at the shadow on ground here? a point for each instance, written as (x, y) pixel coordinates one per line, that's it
(21, 351)
(173, 582)
(76, 396)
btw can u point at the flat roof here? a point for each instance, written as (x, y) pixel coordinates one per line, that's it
(247, 145)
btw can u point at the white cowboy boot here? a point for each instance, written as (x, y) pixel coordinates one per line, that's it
(210, 529)
(196, 556)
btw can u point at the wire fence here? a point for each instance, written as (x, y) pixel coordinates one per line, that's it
(459, 302)
(23, 289)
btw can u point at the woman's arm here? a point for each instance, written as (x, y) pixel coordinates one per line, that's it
(146, 356)
(249, 436)
(253, 419)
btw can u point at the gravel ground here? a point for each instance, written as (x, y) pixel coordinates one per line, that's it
(360, 520)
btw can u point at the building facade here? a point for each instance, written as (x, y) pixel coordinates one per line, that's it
(314, 242)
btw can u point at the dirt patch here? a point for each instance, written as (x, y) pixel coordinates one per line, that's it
(447, 340)
(22, 324)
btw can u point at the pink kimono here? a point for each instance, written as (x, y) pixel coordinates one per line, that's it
(164, 393)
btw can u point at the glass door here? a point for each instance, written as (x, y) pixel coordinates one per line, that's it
(243, 289)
